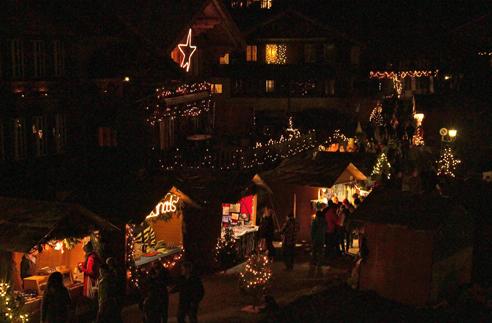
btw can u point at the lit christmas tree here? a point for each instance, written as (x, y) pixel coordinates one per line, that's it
(226, 250)
(11, 305)
(256, 277)
(447, 163)
(376, 116)
(382, 167)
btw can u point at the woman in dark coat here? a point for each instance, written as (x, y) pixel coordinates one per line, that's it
(57, 305)
(267, 231)
(318, 229)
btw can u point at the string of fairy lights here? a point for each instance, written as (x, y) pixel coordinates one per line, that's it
(376, 116)
(11, 305)
(257, 274)
(447, 163)
(402, 74)
(159, 109)
(241, 158)
(135, 274)
(382, 167)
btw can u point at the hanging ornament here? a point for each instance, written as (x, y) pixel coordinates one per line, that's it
(376, 116)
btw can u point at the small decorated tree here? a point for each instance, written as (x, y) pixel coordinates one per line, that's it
(226, 250)
(11, 305)
(447, 163)
(382, 167)
(256, 276)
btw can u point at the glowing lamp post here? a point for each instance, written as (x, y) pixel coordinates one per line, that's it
(448, 135)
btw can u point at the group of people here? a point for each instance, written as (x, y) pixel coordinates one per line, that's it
(104, 287)
(155, 297)
(331, 235)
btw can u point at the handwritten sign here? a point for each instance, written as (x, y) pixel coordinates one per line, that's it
(167, 205)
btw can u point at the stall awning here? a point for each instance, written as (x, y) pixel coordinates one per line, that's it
(25, 223)
(350, 174)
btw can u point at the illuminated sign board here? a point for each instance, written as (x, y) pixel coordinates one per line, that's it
(167, 205)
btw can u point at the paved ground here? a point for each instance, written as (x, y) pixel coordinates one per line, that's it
(223, 300)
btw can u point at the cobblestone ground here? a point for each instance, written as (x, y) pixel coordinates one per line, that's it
(223, 301)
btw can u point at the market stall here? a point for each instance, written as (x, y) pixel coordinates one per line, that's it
(241, 218)
(160, 236)
(41, 238)
(304, 183)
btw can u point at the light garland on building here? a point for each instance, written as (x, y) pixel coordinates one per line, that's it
(11, 305)
(376, 116)
(257, 275)
(244, 158)
(161, 110)
(171, 263)
(401, 75)
(382, 167)
(447, 163)
(485, 53)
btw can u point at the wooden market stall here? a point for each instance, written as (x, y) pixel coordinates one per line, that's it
(305, 182)
(46, 237)
(418, 246)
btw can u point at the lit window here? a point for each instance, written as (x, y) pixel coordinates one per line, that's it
(251, 53)
(17, 51)
(266, 4)
(40, 135)
(19, 139)
(276, 54)
(58, 58)
(269, 86)
(217, 88)
(223, 60)
(107, 137)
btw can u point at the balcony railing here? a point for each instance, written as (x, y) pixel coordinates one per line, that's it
(235, 157)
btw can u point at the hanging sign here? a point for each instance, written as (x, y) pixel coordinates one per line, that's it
(167, 205)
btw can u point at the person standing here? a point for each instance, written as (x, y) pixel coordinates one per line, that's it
(318, 236)
(57, 305)
(90, 268)
(156, 303)
(331, 223)
(267, 230)
(109, 310)
(289, 231)
(191, 292)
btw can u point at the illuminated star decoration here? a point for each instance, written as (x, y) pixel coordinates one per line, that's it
(190, 49)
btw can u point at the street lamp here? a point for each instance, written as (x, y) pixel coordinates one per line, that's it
(452, 133)
(448, 136)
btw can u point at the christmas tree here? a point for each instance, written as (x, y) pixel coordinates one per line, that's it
(256, 276)
(225, 250)
(11, 305)
(376, 116)
(447, 163)
(382, 167)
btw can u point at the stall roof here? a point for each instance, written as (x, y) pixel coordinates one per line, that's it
(25, 223)
(418, 211)
(319, 169)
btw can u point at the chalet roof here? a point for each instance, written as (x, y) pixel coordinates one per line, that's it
(321, 169)
(294, 25)
(26, 223)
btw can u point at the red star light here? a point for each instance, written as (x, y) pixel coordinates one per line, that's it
(190, 49)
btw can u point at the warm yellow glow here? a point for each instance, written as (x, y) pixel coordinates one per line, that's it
(224, 60)
(419, 117)
(269, 86)
(167, 205)
(452, 133)
(216, 88)
(59, 246)
(276, 54)
(126, 79)
(447, 77)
